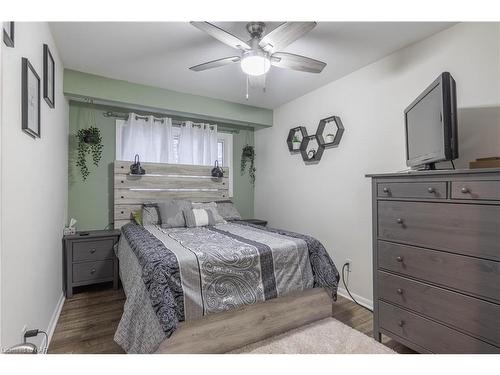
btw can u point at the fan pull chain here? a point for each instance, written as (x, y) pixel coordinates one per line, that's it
(247, 88)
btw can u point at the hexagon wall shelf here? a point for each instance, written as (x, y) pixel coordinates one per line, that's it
(291, 134)
(313, 156)
(328, 143)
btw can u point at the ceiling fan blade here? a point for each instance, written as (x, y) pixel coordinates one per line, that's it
(222, 35)
(257, 82)
(215, 63)
(285, 34)
(296, 62)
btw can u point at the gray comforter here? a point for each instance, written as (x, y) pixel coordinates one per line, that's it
(172, 275)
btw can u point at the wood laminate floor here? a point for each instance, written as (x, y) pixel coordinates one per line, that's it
(89, 320)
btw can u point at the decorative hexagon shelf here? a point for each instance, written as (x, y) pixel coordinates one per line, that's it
(313, 146)
(292, 134)
(311, 149)
(333, 128)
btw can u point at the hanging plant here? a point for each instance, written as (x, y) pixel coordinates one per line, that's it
(89, 142)
(248, 155)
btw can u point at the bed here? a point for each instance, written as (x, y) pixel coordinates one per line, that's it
(210, 289)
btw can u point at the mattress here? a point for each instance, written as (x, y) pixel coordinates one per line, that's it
(181, 274)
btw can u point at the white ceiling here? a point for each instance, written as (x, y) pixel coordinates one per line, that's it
(159, 54)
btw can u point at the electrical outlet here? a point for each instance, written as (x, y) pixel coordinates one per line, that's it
(349, 265)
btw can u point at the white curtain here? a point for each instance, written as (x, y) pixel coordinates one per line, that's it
(150, 137)
(198, 144)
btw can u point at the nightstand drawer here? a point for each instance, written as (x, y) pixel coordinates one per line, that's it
(475, 316)
(422, 190)
(88, 271)
(469, 229)
(428, 334)
(93, 250)
(479, 277)
(487, 190)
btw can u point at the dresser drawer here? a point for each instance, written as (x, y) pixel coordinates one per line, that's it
(479, 277)
(89, 271)
(432, 190)
(468, 229)
(93, 250)
(486, 190)
(428, 334)
(477, 317)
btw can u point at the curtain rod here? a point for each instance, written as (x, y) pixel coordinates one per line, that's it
(176, 123)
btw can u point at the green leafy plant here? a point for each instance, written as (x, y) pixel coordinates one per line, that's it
(248, 155)
(295, 139)
(89, 142)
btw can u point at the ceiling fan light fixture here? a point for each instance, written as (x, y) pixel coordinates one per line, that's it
(255, 64)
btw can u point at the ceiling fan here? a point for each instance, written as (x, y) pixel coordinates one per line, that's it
(258, 54)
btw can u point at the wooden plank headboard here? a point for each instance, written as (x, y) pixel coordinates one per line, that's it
(161, 182)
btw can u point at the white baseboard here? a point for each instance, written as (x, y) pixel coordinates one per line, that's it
(361, 300)
(53, 320)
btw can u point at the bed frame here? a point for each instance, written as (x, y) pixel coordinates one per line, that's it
(226, 331)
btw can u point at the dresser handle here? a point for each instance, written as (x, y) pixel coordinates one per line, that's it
(92, 251)
(386, 190)
(465, 190)
(431, 190)
(92, 271)
(401, 323)
(399, 221)
(399, 291)
(399, 259)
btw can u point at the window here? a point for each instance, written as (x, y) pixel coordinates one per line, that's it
(224, 150)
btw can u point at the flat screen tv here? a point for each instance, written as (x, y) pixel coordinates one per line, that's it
(431, 125)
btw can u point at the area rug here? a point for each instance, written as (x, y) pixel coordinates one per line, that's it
(327, 336)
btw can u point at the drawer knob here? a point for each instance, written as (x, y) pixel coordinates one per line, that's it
(399, 259)
(399, 291)
(92, 251)
(465, 190)
(92, 271)
(399, 221)
(431, 190)
(386, 190)
(401, 323)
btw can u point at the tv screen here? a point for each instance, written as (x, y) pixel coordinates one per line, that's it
(431, 124)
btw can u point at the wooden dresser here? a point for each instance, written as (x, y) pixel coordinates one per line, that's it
(436, 260)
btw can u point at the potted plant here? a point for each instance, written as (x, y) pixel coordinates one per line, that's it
(89, 142)
(295, 142)
(329, 138)
(248, 155)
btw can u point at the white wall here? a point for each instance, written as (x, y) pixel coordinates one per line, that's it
(331, 200)
(34, 178)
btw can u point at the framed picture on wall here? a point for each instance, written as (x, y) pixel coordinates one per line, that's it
(49, 70)
(30, 99)
(8, 33)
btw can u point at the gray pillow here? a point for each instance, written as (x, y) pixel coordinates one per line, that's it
(227, 210)
(198, 217)
(150, 214)
(212, 206)
(171, 214)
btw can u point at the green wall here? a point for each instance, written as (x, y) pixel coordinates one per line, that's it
(112, 92)
(91, 201)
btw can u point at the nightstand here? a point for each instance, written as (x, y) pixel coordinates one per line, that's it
(262, 223)
(89, 258)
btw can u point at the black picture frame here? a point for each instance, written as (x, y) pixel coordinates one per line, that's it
(30, 102)
(49, 72)
(8, 33)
